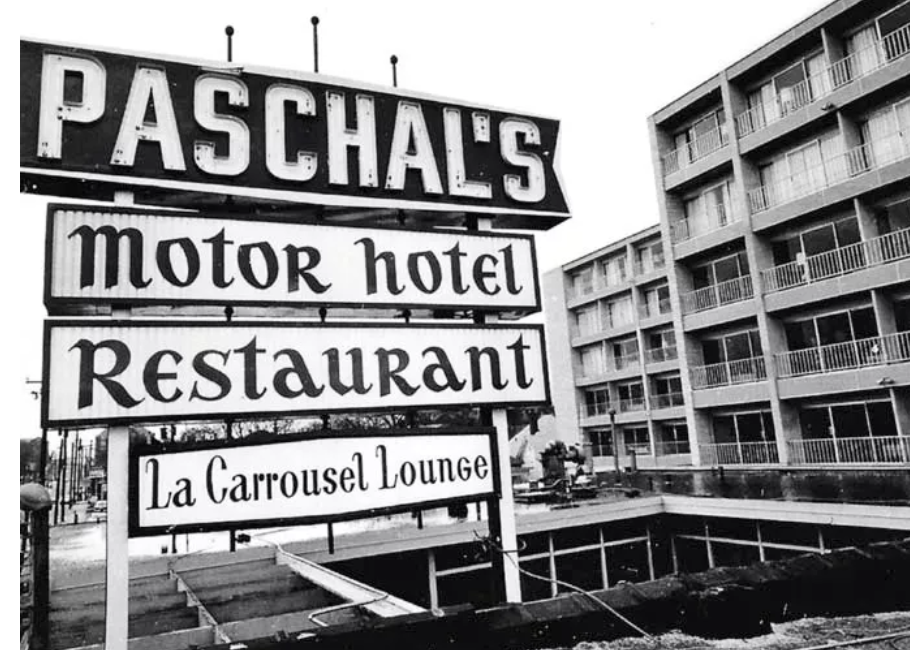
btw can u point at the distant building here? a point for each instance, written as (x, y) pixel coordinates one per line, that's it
(766, 320)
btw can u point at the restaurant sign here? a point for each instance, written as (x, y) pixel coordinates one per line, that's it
(117, 372)
(105, 257)
(92, 119)
(302, 480)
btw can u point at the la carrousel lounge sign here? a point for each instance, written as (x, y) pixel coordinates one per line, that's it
(103, 119)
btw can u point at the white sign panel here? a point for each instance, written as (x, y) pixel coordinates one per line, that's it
(307, 480)
(140, 371)
(109, 256)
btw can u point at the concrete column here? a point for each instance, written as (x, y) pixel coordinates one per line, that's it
(849, 131)
(758, 252)
(865, 216)
(884, 312)
(562, 358)
(671, 209)
(900, 402)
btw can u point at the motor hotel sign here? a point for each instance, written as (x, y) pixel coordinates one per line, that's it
(121, 371)
(307, 480)
(160, 124)
(104, 256)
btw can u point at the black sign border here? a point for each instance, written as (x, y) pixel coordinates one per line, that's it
(63, 306)
(50, 324)
(140, 451)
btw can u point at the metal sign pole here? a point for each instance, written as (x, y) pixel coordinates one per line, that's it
(502, 510)
(117, 567)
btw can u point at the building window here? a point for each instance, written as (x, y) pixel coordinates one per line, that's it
(591, 361)
(816, 241)
(625, 353)
(583, 282)
(638, 440)
(656, 301)
(618, 313)
(733, 347)
(601, 442)
(708, 210)
(856, 420)
(668, 392)
(831, 329)
(586, 322)
(722, 270)
(673, 439)
(742, 438)
(614, 271)
(649, 258)
(631, 397)
(662, 346)
(597, 402)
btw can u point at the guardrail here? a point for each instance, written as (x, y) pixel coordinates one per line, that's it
(739, 453)
(672, 447)
(633, 404)
(717, 295)
(625, 361)
(704, 145)
(744, 371)
(685, 229)
(849, 355)
(832, 171)
(840, 261)
(835, 451)
(838, 74)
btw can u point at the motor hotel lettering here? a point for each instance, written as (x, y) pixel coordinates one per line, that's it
(142, 372)
(312, 478)
(197, 126)
(137, 257)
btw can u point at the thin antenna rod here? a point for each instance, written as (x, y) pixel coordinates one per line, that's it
(315, 21)
(394, 61)
(230, 43)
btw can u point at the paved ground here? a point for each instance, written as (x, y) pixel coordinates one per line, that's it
(854, 632)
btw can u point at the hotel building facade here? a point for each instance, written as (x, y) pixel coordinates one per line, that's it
(766, 319)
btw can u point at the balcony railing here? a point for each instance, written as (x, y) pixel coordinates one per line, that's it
(825, 451)
(849, 355)
(718, 217)
(830, 172)
(717, 295)
(626, 361)
(744, 371)
(658, 355)
(739, 453)
(632, 404)
(593, 410)
(667, 400)
(840, 261)
(822, 84)
(704, 145)
(639, 448)
(671, 447)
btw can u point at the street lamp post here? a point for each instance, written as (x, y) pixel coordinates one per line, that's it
(615, 439)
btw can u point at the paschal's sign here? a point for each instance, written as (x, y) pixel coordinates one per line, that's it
(98, 372)
(307, 479)
(108, 257)
(91, 119)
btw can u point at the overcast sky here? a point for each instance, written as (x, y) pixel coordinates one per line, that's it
(599, 67)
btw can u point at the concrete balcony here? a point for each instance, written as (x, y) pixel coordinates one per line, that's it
(599, 288)
(728, 383)
(866, 364)
(703, 155)
(691, 240)
(841, 84)
(649, 273)
(718, 303)
(874, 450)
(663, 401)
(867, 265)
(840, 178)
(579, 339)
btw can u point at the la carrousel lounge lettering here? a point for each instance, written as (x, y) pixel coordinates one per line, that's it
(364, 472)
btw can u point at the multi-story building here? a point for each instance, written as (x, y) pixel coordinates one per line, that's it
(784, 193)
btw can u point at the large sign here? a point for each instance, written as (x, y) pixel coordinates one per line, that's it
(93, 119)
(109, 257)
(98, 372)
(307, 480)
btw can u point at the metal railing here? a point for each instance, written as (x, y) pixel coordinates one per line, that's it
(685, 229)
(731, 373)
(632, 404)
(671, 447)
(667, 400)
(596, 409)
(838, 74)
(739, 453)
(875, 449)
(716, 295)
(704, 145)
(657, 355)
(832, 171)
(849, 355)
(840, 261)
(640, 448)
